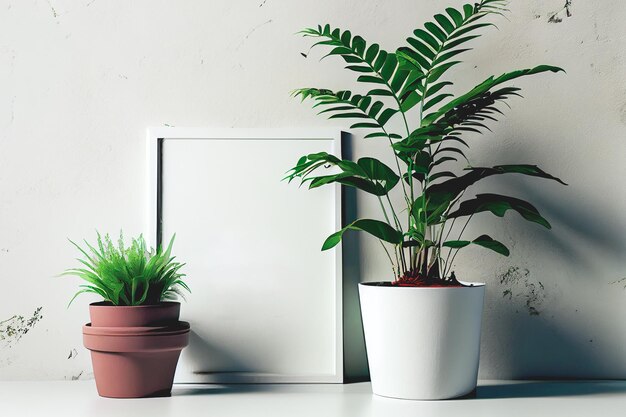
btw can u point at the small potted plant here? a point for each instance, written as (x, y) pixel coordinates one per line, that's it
(135, 337)
(422, 329)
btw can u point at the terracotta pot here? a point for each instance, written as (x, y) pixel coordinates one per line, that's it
(105, 314)
(136, 360)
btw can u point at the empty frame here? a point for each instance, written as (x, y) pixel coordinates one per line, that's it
(266, 302)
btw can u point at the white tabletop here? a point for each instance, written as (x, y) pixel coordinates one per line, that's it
(493, 398)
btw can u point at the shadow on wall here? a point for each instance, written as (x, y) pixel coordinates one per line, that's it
(355, 359)
(526, 347)
(584, 220)
(522, 341)
(199, 350)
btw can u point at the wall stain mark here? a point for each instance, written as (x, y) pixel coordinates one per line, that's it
(14, 328)
(556, 17)
(77, 377)
(254, 29)
(263, 4)
(54, 12)
(514, 275)
(73, 354)
(620, 281)
(518, 285)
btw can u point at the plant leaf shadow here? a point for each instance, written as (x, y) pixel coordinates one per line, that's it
(539, 389)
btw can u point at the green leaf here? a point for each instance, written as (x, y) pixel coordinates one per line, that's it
(411, 101)
(375, 135)
(346, 105)
(487, 242)
(422, 48)
(456, 244)
(455, 186)
(459, 41)
(435, 100)
(436, 31)
(412, 61)
(499, 205)
(380, 60)
(365, 126)
(446, 56)
(379, 172)
(442, 174)
(389, 67)
(371, 53)
(376, 228)
(456, 16)
(380, 92)
(437, 72)
(484, 241)
(370, 79)
(490, 83)
(427, 37)
(359, 68)
(399, 78)
(125, 275)
(386, 115)
(444, 23)
(466, 29)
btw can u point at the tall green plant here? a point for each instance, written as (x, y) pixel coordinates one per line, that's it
(129, 275)
(411, 84)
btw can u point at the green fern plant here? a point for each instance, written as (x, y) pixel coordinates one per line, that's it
(129, 275)
(410, 84)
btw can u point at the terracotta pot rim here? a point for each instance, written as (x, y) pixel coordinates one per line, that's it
(180, 327)
(466, 285)
(107, 304)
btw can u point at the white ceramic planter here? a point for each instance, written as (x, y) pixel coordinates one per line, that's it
(422, 343)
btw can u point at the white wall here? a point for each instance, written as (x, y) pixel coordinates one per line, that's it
(80, 80)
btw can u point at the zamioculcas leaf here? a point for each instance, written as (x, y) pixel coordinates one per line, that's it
(487, 85)
(379, 229)
(379, 172)
(345, 105)
(487, 242)
(456, 244)
(484, 241)
(455, 186)
(499, 205)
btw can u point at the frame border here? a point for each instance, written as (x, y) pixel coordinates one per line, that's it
(156, 136)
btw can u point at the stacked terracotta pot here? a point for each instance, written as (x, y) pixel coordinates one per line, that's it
(135, 349)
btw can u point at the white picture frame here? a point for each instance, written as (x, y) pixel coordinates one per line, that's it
(178, 154)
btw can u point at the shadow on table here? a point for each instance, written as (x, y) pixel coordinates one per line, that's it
(549, 389)
(221, 389)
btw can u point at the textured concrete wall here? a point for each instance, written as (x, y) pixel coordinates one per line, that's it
(80, 80)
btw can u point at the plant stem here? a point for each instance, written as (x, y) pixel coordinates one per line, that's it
(393, 269)
(457, 251)
(382, 206)
(393, 212)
